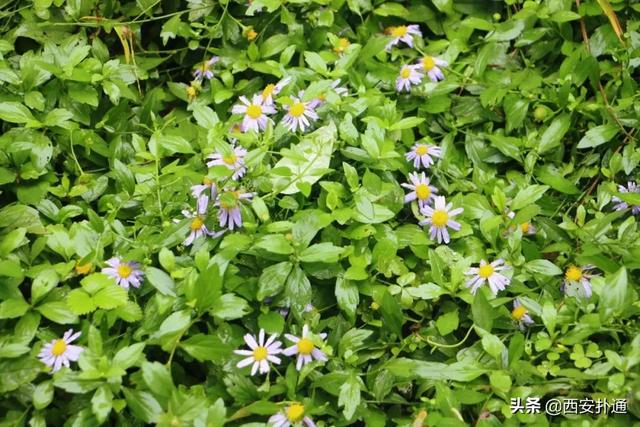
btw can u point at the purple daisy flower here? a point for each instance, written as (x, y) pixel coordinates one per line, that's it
(229, 204)
(631, 187)
(125, 273)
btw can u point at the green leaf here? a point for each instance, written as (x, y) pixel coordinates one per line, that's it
(459, 371)
(142, 404)
(207, 348)
(392, 313)
(391, 9)
(298, 290)
(157, 377)
(544, 267)
(274, 243)
(17, 372)
(128, 356)
(616, 295)
(58, 312)
(110, 297)
(161, 281)
(349, 397)
(348, 296)
(482, 311)
(553, 135)
(12, 308)
(14, 112)
(598, 135)
(307, 161)
(43, 395)
(315, 62)
(527, 196)
(321, 252)
(272, 279)
(493, 346)
(407, 123)
(80, 302)
(230, 307)
(102, 403)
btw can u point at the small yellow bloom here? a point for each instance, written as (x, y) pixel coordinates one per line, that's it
(342, 44)
(192, 92)
(83, 268)
(250, 34)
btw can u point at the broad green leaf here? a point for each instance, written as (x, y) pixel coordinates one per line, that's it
(307, 160)
(206, 347)
(457, 371)
(598, 136)
(552, 136)
(272, 279)
(161, 281)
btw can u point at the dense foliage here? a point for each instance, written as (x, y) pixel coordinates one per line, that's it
(431, 202)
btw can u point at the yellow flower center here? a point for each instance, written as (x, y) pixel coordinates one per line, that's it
(124, 270)
(421, 150)
(251, 34)
(428, 63)
(260, 353)
(83, 268)
(405, 72)
(295, 412)
(207, 181)
(191, 92)
(423, 191)
(297, 109)
(440, 218)
(305, 346)
(254, 111)
(525, 226)
(485, 271)
(59, 347)
(196, 223)
(343, 43)
(399, 31)
(573, 274)
(230, 160)
(268, 90)
(519, 312)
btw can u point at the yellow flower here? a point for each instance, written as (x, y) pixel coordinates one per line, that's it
(83, 268)
(342, 44)
(250, 34)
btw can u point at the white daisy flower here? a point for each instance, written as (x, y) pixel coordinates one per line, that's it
(521, 315)
(488, 273)
(260, 353)
(409, 76)
(304, 348)
(298, 114)
(420, 189)
(422, 155)
(403, 33)
(60, 351)
(125, 273)
(207, 190)
(291, 415)
(271, 89)
(255, 113)
(234, 161)
(431, 65)
(526, 227)
(578, 276)
(439, 217)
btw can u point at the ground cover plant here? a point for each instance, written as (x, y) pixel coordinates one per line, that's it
(319, 212)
